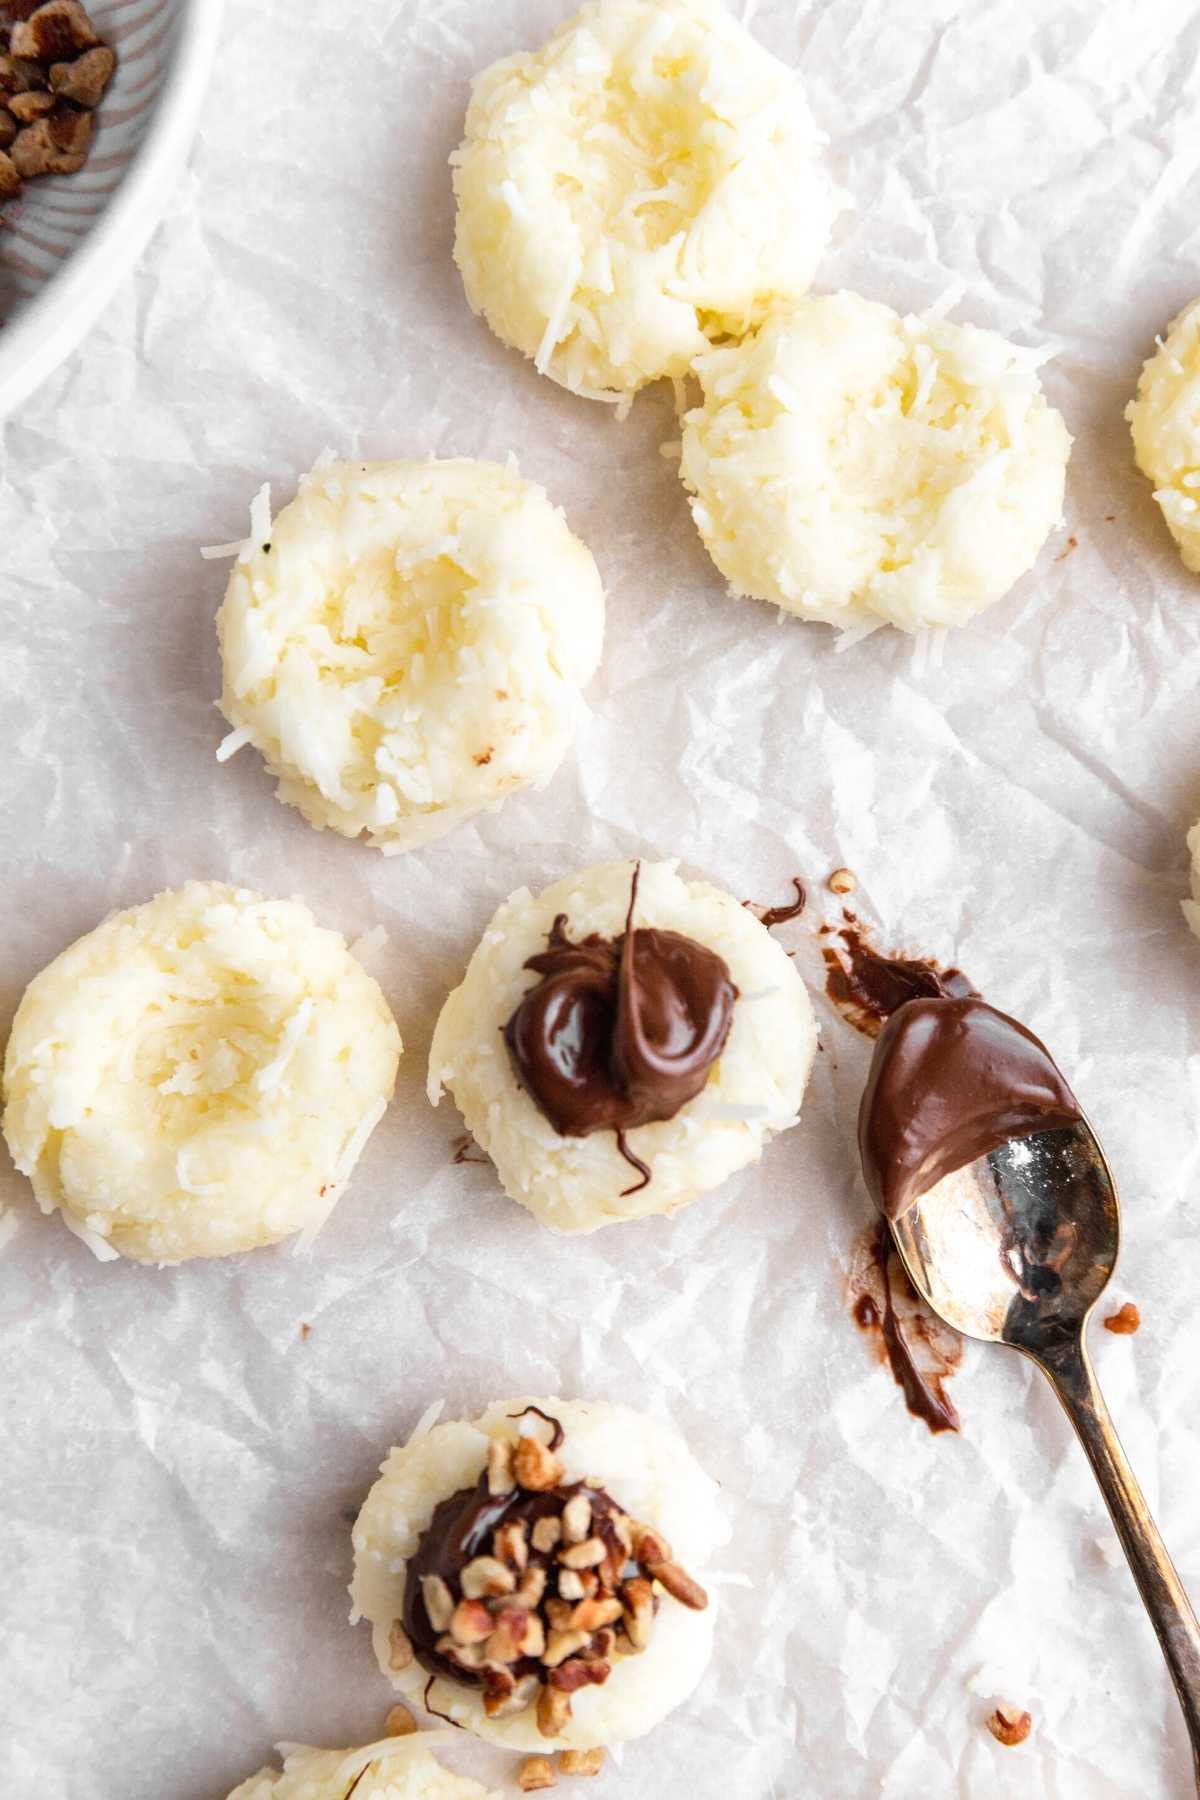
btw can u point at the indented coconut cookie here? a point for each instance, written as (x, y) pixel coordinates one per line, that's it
(643, 184)
(536, 1576)
(1165, 422)
(406, 645)
(861, 468)
(198, 1075)
(395, 1769)
(610, 1077)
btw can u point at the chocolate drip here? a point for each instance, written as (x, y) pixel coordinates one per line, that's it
(557, 1434)
(619, 1032)
(460, 1530)
(952, 1080)
(868, 987)
(779, 915)
(875, 1309)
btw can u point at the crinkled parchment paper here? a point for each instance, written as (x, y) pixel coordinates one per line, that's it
(178, 1453)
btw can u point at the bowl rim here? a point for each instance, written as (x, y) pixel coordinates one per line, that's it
(46, 331)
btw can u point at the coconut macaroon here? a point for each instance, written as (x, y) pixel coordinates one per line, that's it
(398, 1768)
(197, 1076)
(642, 1068)
(860, 468)
(1165, 422)
(406, 644)
(536, 1576)
(643, 184)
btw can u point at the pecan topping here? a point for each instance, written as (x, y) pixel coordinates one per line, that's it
(526, 1587)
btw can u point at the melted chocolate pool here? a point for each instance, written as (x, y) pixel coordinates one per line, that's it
(619, 1032)
(867, 987)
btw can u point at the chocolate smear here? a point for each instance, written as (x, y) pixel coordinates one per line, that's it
(466, 1150)
(619, 1032)
(951, 1080)
(920, 1350)
(867, 987)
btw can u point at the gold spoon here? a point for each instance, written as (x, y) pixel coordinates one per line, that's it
(1016, 1248)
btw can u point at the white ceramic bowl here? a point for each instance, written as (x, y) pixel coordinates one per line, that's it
(73, 239)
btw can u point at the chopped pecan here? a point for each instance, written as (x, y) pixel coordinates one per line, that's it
(28, 107)
(649, 1546)
(547, 1534)
(511, 1545)
(513, 1628)
(18, 75)
(470, 1623)
(680, 1585)
(577, 1519)
(501, 1479)
(502, 1699)
(560, 1645)
(57, 32)
(538, 1469)
(10, 180)
(56, 145)
(1009, 1726)
(601, 1647)
(486, 1577)
(593, 1615)
(531, 1588)
(580, 1762)
(439, 1601)
(536, 1773)
(570, 1585)
(467, 1656)
(1125, 1321)
(499, 1685)
(84, 81)
(577, 1673)
(399, 1722)
(8, 131)
(553, 1711)
(637, 1597)
(588, 1555)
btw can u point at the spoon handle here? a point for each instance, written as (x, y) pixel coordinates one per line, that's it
(1162, 1592)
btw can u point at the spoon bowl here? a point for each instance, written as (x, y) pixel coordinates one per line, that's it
(1018, 1247)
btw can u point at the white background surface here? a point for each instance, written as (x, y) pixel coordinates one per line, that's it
(176, 1460)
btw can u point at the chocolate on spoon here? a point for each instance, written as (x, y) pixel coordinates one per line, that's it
(1005, 1214)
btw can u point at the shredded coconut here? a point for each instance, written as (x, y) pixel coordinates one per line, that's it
(231, 743)
(860, 468)
(411, 650)
(645, 182)
(145, 1083)
(1165, 422)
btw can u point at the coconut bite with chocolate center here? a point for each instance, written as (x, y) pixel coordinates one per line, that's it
(623, 1043)
(534, 1577)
